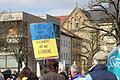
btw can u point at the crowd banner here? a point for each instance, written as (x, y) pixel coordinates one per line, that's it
(114, 61)
(43, 40)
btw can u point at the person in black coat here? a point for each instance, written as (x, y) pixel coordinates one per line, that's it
(53, 72)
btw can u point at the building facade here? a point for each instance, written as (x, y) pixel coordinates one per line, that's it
(17, 44)
(76, 24)
(106, 40)
(76, 51)
(71, 48)
(65, 54)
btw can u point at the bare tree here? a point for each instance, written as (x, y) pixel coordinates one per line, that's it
(13, 38)
(90, 46)
(112, 12)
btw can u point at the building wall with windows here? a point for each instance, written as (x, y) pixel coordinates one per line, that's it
(15, 31)
(7, 61)
(56, 27)
(77, 23)
(71, 46)
(65, 49)
(76, 51)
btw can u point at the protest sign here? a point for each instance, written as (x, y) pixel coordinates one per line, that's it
(43, 40)
(114, 62)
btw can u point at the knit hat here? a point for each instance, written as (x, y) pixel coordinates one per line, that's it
(100, 55)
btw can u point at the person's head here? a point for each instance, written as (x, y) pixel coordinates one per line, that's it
(26, 71)
(100, 57)
(73, 70)
(53, 65)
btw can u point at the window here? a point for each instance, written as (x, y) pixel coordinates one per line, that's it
(68, 25)
(2, 30)
(8, 62)
(61, 42)
(11, 62)
(66, 43)
(12, 31)
(74, 45)
(57, 30)
(77, 26)
(74, 57)
(78, 57)
(58, 44)
(72, 23)
(64, 55)
(78, 46)
(61, 55)
(69, 44)
(2, 62)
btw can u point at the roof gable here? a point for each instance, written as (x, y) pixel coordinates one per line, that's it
(76, 10)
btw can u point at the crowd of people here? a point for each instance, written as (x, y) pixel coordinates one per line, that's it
(97, 72)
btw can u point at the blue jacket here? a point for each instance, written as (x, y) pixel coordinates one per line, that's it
(99, 72)
(77, 77)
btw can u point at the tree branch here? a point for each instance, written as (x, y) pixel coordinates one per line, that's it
(102, 30)
(84, 56)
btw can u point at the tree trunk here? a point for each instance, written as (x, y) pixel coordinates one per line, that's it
(118, 38)
(19, 66)
(90, 60)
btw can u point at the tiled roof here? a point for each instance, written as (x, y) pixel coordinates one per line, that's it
(62, 18)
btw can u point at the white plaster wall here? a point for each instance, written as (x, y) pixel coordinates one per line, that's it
(65, 50)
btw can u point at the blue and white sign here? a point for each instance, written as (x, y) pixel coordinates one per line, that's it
(42, 31)
(114, 62)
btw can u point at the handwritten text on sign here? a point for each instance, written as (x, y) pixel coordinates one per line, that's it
(42, 31)
(43, 40)
(45, 48)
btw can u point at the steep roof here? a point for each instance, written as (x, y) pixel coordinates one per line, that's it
(62, 18)
(83, 12)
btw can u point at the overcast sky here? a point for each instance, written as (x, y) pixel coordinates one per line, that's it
(42, 7)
